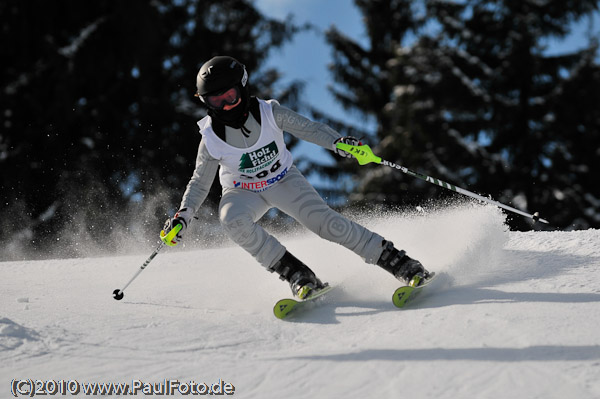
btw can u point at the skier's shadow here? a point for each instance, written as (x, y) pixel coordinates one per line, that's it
(480, 289)
(334, 312)
(336, 306)
(469, 295)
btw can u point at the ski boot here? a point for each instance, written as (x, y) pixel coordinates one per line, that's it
(302, 280)
(403, 267)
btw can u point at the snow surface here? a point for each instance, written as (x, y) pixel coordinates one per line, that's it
(512, 315)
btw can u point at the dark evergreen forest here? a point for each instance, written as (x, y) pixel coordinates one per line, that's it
(98, 132)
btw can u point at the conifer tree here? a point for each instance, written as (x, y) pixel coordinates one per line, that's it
(475, 100)
(98, 111)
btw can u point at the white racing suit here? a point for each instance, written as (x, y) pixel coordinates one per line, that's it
(257, 174)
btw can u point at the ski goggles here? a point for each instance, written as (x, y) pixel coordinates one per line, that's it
(220, 100)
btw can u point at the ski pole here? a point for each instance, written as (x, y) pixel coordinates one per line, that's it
(118, 293)
(364, 155)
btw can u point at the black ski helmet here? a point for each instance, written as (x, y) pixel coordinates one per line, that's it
(217, 75)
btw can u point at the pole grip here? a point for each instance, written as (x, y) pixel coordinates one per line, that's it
(362, 153)
(167, 238)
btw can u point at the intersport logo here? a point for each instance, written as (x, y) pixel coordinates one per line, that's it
(260, 185)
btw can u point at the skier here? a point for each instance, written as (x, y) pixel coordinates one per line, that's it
(244, 136)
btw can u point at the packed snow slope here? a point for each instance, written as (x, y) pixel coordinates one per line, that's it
(512, 315)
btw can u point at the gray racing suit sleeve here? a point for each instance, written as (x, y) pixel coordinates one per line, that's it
(201, 181)
(304, 128)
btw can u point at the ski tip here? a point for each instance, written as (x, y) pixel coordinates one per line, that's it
(283, 307)
(407, 293)
(401, 295)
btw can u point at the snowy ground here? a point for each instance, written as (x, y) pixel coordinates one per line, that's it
(512, 315)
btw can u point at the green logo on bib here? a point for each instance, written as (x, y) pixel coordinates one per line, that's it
(256, 160)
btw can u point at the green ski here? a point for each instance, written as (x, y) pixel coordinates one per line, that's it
(284, 307)
(409, 292)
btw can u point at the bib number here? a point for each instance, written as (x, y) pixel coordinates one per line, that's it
(264, 173)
